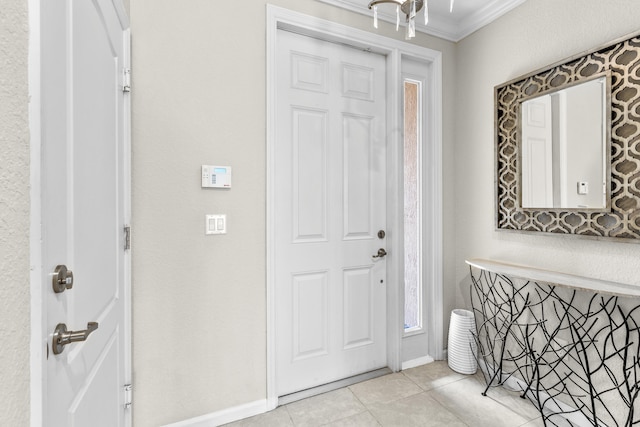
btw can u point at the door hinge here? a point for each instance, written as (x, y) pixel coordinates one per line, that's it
(128, 393)
(127, 237)
(126, 80)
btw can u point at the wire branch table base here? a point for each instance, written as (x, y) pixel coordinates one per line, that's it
(573, 353)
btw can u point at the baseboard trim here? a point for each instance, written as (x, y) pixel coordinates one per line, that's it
(417, 362)
(225, 416)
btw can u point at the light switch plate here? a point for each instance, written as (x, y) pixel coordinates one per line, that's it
(216, 224)
(583, 187)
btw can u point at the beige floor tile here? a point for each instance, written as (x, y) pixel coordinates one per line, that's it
(397, 400)
(464, 398)
(534, 423)
(513, 401)
(364, 419)
(385, 389)
(432, 375)
(325, 408)
(417, 410)
(279, 417)
(560, 421)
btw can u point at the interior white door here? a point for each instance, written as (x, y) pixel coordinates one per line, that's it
(537, 146)
(330, 204)
(84, 49)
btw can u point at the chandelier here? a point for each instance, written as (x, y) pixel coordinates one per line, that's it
(408, 7)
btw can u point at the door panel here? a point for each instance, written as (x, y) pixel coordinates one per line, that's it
(358, 308)
(84, 209)
(330, 164)
(309, 175)
(310, 315)
(537, 170)
(357, 140)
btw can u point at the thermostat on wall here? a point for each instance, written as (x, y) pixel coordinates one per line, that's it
(216, 176)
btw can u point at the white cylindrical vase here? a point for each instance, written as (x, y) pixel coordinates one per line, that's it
(461, 344)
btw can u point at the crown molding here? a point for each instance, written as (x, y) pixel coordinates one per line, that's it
(453, 27)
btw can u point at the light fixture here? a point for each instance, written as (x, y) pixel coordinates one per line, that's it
(410, 8)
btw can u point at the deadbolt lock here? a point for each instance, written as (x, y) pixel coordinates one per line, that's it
(62, 279)
(381, 234)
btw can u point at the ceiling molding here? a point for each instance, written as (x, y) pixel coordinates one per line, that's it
(484, 16)
(453, 27)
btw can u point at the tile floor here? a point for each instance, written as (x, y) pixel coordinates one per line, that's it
(429, 395)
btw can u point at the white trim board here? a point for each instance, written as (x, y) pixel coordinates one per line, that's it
(37, 346)
(279, 18)
(417, 362)
(225, 416)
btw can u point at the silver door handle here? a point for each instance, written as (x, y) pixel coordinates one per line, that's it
(381, 253)
(61, 337)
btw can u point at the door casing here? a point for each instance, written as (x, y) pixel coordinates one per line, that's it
(38, 385)
(395, 51)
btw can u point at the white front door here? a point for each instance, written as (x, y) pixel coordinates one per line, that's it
(537, 149)
(330, 204)
(84, 209)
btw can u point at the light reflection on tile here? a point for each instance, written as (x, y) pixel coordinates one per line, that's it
(512, 400)
(365, 419)
(534, 423)
(465, 399)
(385, 389)
(432, 375)
(325, 408)
(418, 410)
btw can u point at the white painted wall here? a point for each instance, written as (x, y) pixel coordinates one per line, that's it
(533, 35)
(584, 144)
(14, 215)
(199, 95)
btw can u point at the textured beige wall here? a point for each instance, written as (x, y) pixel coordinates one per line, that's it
(532, 36)
(199, 95)
(14, 215)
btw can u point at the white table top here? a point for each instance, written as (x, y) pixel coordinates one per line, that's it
(556, 278)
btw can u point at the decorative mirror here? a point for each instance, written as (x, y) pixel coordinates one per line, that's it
(568, 146)
(564, 144)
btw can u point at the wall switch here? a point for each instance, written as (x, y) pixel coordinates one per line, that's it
(215, 224)
(583, 187)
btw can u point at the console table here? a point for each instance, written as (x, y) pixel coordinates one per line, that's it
(569, 344)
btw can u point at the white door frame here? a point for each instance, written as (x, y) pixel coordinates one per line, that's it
(38, 384)
(279, 18)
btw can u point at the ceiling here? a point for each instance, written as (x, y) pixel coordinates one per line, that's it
(467, 17)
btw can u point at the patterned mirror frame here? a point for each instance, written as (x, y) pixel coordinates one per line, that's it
(621, 218)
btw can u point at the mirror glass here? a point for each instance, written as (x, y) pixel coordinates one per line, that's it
(564, 141)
